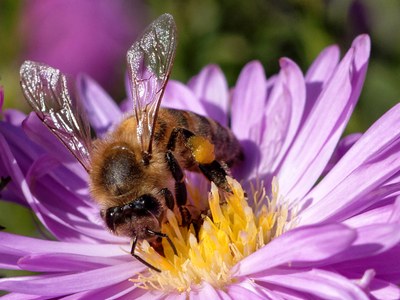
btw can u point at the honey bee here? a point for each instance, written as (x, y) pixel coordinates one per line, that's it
(137, 171)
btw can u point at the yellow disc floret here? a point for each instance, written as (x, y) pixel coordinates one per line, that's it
(230, 231)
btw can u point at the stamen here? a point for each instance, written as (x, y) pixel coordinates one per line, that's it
(229, 232)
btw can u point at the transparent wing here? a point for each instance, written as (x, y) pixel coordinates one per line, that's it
(45, 89)
(150, 61)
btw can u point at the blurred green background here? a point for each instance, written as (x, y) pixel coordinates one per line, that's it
(226, 32)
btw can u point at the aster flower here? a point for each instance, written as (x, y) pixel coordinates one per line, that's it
(312, 216)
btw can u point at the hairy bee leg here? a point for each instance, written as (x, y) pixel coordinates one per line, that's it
(180, 187)
(213, 171)
(169, 198)
(135, 240)
(176, 133)
(163, 235)
(179, 177)
(217, 174)
(4, 181)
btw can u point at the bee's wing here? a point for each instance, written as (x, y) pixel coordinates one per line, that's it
(150, 61)
(45, 89)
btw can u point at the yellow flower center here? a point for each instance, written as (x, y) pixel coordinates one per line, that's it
(231, 231)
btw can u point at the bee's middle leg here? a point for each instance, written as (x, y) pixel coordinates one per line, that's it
(180, 188)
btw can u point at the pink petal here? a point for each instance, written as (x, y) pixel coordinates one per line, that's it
(57, 262)
(377, 215)
(123, 290)
(283, 115)
(49, 285)
(248, 99)
(38, 133)
(385, 265)
(101, 109)
(250, 290)
(18, 296)
(313, 244)
(211, 88)
(371, 240)
(344, 145)
(319, 74)
(20, 244)
(13, 116)
(364, 168)
(318, 283)
(179, 96)
(318, 137)
(380, 289)
(324, 65)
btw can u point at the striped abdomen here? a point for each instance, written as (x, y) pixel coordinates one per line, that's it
(227, 147)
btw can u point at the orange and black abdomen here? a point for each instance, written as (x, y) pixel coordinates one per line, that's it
(227, 147)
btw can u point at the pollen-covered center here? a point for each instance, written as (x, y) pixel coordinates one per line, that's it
(231, 231)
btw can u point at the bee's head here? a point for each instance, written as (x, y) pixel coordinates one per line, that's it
(134, 218)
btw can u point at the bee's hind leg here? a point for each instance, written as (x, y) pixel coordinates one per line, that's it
(211, 168)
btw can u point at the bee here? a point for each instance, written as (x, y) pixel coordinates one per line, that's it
(137, 171)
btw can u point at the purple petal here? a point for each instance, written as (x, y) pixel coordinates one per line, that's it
(318, 137)
(179, 96)
(380, 289)
(18, 296)
(13, 116)
(273, 124)
(371, 240)
(18, 184)
(205, 291)
(102, 111)
(319, 74)
(324, 65)
(385, 265)
(349, 187)
(344, 145)
(318, 283)
(250, 290)
(9, 258)
(211, 88)
(377, 215)
(395, 216)
(38, 133)
(248, 99)
(19, 245)
(117, 291)
(169, 296)
(48, 285)
(313, 244)
(56, 262)
(283, 115)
